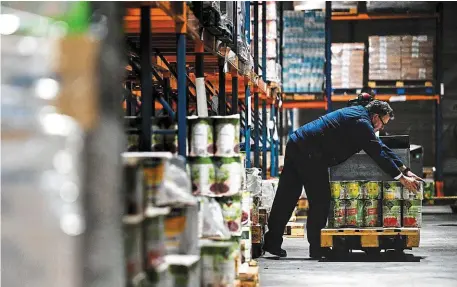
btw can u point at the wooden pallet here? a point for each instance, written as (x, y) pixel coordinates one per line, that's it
(295, 230)
(421, 87)
(399, 84)
(249, 276)
(371, 237)
(344, 11)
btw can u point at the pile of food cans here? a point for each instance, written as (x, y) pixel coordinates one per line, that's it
(374, 204)
(214, 158)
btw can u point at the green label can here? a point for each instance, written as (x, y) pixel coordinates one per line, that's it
(414, 194)
(353, 190)
(371, 213)
(201, 136)
(391, 213)
(392, 190)
(429, 189)
(412, 213)
(336, 217)
(371, 189)
(231, 211)
(338, 189)
(228, 176)
(354, 213)
(203, 175)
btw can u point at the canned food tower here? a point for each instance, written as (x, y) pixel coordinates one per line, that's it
(369, 211)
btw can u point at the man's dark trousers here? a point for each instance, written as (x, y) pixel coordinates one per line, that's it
(301, 168)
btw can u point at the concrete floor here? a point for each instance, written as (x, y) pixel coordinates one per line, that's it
(434, 263)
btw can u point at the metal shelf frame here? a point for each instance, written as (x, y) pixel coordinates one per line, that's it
(151, 26)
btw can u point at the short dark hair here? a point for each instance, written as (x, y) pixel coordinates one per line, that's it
(377, 107)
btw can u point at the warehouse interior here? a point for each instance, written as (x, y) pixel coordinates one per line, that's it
(143, 142)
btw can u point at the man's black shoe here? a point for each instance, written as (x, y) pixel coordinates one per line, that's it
(319, 252)
(278, 251)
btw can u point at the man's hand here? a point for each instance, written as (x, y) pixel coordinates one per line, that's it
(411, 174)
(410, 183)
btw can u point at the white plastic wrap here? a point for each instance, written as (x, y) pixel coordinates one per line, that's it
(176, 186)
(268, 192)
(213, 220)
(253, 181)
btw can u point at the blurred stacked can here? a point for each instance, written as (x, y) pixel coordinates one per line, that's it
(304, 51)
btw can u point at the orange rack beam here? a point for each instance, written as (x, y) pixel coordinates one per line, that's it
(344, 98)
(364, 17)
(305, 105)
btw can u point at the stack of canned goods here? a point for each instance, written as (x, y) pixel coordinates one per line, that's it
(401, 207)
(374, 204)
(355, 204)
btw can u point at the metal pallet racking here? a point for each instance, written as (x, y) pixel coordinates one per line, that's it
(172, 30)
(324, 100)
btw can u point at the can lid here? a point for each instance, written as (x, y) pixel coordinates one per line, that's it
(152, 212)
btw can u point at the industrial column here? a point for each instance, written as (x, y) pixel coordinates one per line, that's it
(222, 99)
(272, 141)
(438, 109)
(247, 128)
(328, 54)
(182, 79)
(264, 139)
(264, 102)
(235, 50)
(146, 79)
(281, 115)
(202, 107)
(256, 91)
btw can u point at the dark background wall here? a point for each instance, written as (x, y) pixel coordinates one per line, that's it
(415, 118)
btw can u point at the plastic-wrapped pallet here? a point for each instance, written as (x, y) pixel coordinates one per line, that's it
(347, 65)
(401, 6)
(304, 51)
(401, 57)
(417, 57)
(384, 57)
(344, 5)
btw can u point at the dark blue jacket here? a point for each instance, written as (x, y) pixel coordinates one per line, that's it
(336, 136)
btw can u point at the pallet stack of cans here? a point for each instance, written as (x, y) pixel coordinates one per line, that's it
(160, 236)
(257, 215)
(216, 170)
(363, 204)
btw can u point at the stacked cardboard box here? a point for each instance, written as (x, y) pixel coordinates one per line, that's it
(400, 6)
(347, 65)
(400, 58)
(384, 57)
(416, 58)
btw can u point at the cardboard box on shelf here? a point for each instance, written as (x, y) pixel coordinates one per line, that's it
(416, 63)
(413, 54)
(347, 65)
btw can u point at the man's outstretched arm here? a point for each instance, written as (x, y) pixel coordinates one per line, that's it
(374, 148)
(404, 169)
